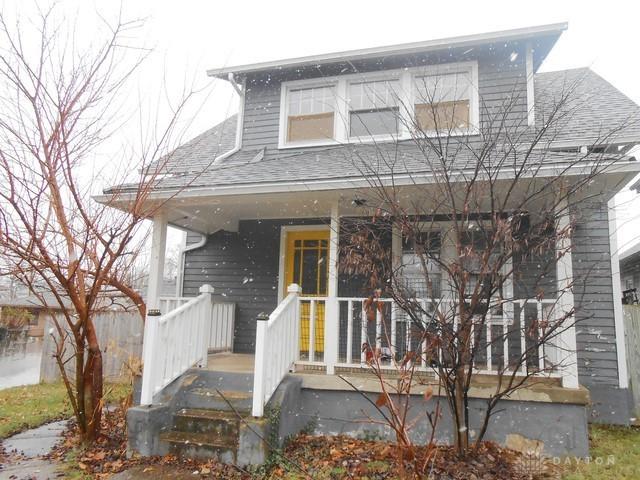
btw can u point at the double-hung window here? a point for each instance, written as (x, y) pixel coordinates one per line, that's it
(373, 108)
(442, 102)
(311, 114)
(435, 99)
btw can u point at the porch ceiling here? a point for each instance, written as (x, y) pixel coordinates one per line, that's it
(208, 214)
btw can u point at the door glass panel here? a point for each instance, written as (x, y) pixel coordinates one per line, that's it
(310, 272)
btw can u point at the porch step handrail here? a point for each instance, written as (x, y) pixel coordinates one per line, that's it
(276, 348)
(175, 342)
(168, 303)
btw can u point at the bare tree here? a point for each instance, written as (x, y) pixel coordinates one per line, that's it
(61, 103)
(471, 213)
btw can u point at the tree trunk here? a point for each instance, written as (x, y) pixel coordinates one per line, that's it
(460, 419)
(93, 385)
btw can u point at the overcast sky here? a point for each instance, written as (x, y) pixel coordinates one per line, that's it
(191, 36)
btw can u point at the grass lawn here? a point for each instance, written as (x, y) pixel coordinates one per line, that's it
(621, 444)
(33, 405)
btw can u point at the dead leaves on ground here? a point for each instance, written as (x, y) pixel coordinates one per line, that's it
(306, 457)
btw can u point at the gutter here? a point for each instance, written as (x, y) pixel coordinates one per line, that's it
(240, 89)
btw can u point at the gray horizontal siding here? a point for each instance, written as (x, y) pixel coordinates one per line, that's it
(501, 82)
(593, 295)
(243, 268)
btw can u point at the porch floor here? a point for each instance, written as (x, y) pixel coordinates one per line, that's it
(231, 362)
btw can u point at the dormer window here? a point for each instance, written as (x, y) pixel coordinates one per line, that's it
(373, 108)
(311, 114)
(380, 106)
(442, 103)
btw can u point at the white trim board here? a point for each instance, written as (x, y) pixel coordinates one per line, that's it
(398, 49)
(621, 351)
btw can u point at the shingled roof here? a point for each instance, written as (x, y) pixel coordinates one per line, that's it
(601, 109)
(596, 112)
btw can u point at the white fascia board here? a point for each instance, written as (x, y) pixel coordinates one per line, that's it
(629, 166)
(400, 49)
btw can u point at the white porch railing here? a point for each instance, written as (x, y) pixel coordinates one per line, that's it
(179, 339)
(507, 337)
(220, 331)
(276, 348)
(167, 304)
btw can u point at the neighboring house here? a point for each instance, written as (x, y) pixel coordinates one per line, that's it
(630, 265)
(630, 273)
(37, 311)
(275, 183)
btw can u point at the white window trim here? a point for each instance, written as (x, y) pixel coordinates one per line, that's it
(406, 103)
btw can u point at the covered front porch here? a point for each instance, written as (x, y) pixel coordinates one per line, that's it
(278, 294)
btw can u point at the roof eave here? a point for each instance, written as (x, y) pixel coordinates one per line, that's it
(406, 48)
(627, 167)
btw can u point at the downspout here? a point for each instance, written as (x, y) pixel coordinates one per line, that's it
(240, 89)
(183, 250)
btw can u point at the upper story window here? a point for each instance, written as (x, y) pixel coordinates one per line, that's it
(435, 100)
(443, 102)
(311, 114)
(373, 108)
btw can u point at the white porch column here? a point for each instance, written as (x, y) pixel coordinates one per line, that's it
(332, 308)
(156, 262)
(565, 304)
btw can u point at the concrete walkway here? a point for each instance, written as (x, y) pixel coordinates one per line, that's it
(24, 451)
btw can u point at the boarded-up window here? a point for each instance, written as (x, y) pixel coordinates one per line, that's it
(443, 102)
(311, 114)
(373, 108)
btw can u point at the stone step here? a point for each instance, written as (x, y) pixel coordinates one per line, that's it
(221, 424)
(200, 445)
(214, 399)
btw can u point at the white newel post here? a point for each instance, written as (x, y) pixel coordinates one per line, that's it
(207, 325)
(332, 308)
(564, 274)
(149, 348)
(150, 340)
(259, 370)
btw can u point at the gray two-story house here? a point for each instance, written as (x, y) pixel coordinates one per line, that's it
(264, 196)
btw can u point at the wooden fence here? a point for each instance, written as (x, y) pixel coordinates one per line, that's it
(632, 343)
(120, 336)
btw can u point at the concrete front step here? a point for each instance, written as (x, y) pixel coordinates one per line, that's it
(201, 445)
(205, 398)
(219, 424)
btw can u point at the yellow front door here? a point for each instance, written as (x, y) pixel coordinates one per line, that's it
(307, 259)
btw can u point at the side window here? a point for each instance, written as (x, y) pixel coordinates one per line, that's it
(419, 253)
(476, 244)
